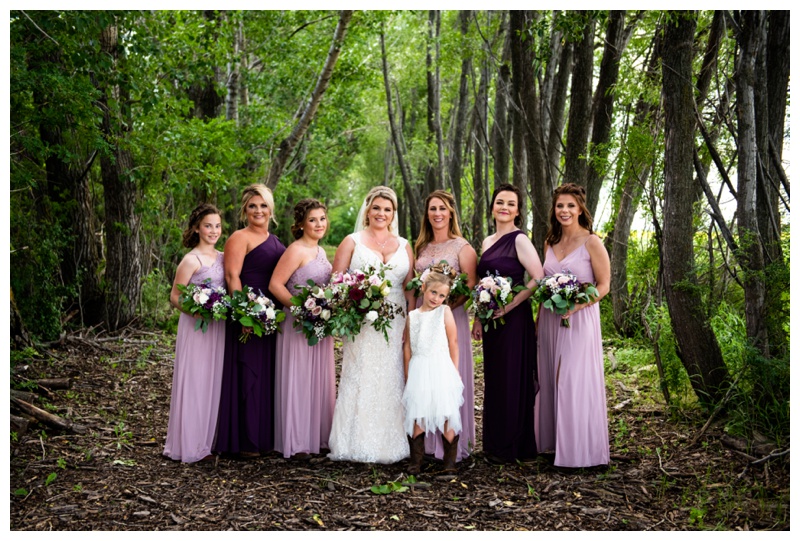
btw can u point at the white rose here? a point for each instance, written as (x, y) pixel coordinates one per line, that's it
(271, 313)
(371, 316)
(385, 291)
(319, 293)
(200, 298)
(484, 296)
(326, 315)
(263, 301)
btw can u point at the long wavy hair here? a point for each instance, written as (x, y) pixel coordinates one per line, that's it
(190, 237)
(301, 210)
(584, 220)
(252, 191)
(426, 231)
(513, 189)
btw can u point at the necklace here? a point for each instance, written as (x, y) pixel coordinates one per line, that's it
(382, 245)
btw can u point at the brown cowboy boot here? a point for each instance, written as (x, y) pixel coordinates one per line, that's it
(417, 446)
(450, 452)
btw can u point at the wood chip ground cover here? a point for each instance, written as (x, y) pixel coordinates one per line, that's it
(115, 478)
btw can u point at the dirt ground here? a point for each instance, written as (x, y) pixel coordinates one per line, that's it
(113, 476)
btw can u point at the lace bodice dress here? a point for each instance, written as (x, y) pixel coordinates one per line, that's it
(368, 417)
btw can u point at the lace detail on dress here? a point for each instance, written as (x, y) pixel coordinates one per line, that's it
(216, 272)
(368, 418)
(433, 253)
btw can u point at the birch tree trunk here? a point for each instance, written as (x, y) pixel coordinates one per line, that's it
(288, 145)
(461, 113)
(697, 345)
(501, 129)
(751, 38)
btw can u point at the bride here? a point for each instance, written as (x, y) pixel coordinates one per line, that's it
(368, 417)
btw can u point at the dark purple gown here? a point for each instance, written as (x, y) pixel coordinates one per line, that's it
(245, 422)
(509, 364)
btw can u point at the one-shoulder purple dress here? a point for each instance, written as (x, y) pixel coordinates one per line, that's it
(196, 379)
(573, 419)
(246, 402)
(509, 364)
(305, 376)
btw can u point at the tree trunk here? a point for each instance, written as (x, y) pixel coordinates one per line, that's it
(580, 106)
(232, 96)
(121, 196)
(288, 145)
(461, 114)
(408, 184)
(555, 116)
(500, 141)
(697, 345)
(603, 108)
(635, 176)
(751, 39)
(203, 93)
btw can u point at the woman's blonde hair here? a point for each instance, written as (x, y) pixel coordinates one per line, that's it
(426, 231)
(384, 192)
(252, 191)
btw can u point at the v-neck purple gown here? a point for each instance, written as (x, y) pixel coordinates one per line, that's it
(509, 364)
(246, 403)
(572, 414)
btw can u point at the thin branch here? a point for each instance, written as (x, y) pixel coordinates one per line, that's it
(308, 24)
(39, 29)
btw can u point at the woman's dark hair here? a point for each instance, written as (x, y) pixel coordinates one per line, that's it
(584, 220)
(514, 189)
(190, 236)
(301, 210)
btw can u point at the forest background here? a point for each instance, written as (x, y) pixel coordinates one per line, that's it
(121, 122)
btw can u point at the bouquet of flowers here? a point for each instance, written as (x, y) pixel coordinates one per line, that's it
(490, 294)
(210, 303)
(360, 296)
(255, 311)
(562, 291)
(312, 309)
(459, 282)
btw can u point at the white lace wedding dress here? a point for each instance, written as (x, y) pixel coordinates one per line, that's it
(368, 417)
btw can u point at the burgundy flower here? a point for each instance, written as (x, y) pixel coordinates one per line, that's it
(356, 294)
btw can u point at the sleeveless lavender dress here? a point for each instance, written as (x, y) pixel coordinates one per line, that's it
(509, 364)
(246, 401)
(572, 401)
(432, 254)
(305, 377)
(196, 379)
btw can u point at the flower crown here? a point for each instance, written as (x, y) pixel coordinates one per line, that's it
(442, 269)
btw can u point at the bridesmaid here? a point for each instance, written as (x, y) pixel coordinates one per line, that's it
(572, 404)
(198, 356)
(305, 377)
(509, 350)
(245, 424)
(440, 239)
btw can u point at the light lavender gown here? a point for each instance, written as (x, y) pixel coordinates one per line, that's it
(572, 416)
(305, 377)
(431, 254)
(196, 380)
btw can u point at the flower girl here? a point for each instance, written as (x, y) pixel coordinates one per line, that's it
(198, 355)
(434, 391)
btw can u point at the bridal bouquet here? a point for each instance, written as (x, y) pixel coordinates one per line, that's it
(359, 297)
(458, 288)
(256, 311)
(210, 303)
(490, 294)
(562, 291)
(312, 309)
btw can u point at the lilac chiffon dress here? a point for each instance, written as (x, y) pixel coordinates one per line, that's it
(196, 379)
(572, 413)
(246, 403)
(305, 377)
(509, 364)
(432, 254)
